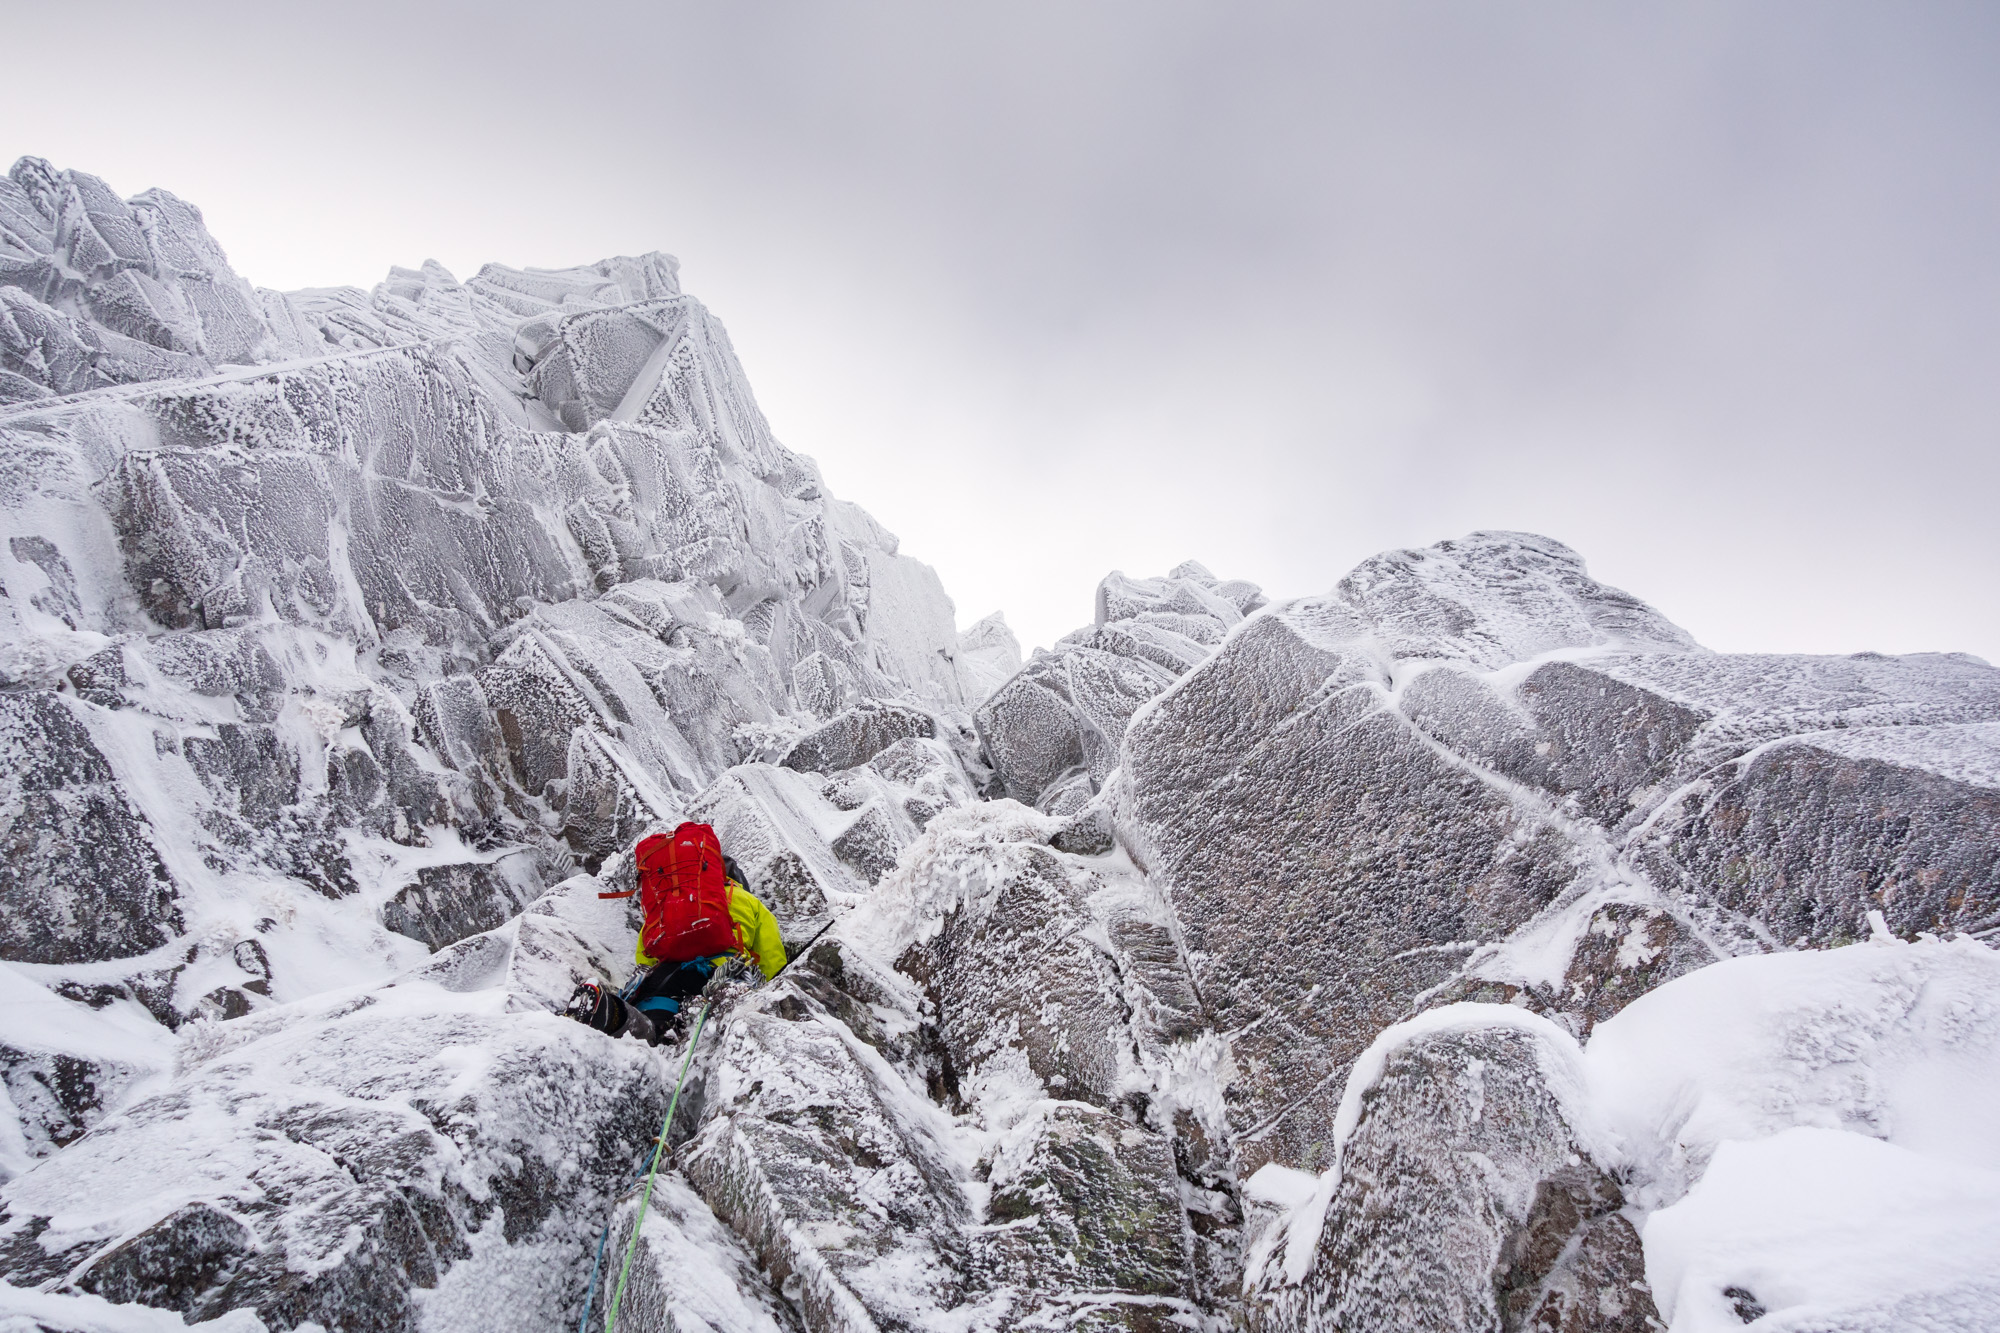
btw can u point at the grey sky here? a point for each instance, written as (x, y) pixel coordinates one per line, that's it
(1710, 292)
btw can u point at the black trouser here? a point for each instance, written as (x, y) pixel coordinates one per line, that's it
(672, 982)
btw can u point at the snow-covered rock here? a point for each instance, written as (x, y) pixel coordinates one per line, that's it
(1480, 1132)
(326, 639)
(1052, 731)
(1462, 948)
(98, 291)
(958, 1107)
(1453, 775)
(856, 735)
(1801, 1135)
(358, 1158)
(689, 1271)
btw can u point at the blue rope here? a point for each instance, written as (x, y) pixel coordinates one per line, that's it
(644, 1171)
(590, 1292)
(659, 1150)
(597, 1264)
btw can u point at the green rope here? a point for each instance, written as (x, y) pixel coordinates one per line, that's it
(659, 1148)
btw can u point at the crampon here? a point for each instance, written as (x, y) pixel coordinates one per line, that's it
(597, 1007)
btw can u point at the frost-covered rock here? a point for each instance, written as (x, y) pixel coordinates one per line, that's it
(988, 654)
(363, 1159)
(1809, 834)
(1016, 980)
(1091, 1206)
(327, 641)
(897, 1156)
(811, 843)
(337, 626)
(689, 1271)
(1326, 865)
(98, 291)
(80, 879)
(1796, 1134)
(1471, 773)
(856, 735)
(1052, 731)
(1468, 1196)
(836, 1171)
(1467, 770)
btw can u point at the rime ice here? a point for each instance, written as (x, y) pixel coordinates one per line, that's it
(1463, 948)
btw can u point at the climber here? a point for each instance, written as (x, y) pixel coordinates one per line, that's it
(701, 922)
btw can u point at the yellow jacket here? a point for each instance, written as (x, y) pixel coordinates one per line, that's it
(755, 925)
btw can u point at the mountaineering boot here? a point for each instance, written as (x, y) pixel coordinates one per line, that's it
(642, 1025)
(598, 1009)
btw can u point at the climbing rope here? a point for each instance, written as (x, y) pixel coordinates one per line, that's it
(590, 1292)
(652, 1171)
(659, 1148)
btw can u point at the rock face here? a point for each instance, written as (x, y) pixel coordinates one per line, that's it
(1052, 732)
(1231, 965)
(80, 880)
(326, 636)
(327, 641)
(359, 1161)
(97, 291)
(1469, 1135)
(1301, 795)
(958, 1105)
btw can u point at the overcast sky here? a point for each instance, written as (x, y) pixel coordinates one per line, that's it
(1709, 292)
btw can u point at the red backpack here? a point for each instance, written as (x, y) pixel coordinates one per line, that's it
(685, 895)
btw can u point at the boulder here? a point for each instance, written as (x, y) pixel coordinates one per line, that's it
(447, 903)
(1469, 1199)
(1059, 721)
(1089, 1205)
(856, 735)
